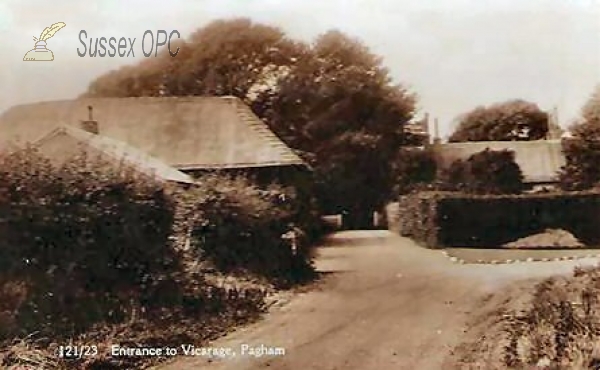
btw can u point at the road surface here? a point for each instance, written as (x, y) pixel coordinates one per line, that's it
(384, 303)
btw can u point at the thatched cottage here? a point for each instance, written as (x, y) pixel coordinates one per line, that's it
(540, 160)
(190, 134)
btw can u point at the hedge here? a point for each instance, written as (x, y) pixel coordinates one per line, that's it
(240, 227)
(459, 220)
(82, 241)
(90, 242)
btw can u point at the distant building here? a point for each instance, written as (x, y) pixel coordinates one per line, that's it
(540, 160)
(417, 132)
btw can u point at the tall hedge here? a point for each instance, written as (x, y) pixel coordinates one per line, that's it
(85, 240)
(462, 220)
(238, 226)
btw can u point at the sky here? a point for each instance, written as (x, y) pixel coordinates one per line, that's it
(454, 54)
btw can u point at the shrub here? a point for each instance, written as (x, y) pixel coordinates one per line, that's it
(238, 226)
(414, 168)
(559, 327)
(89, 244)
(486, 172)
(85, 239)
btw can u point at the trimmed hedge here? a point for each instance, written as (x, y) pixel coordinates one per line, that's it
(417, 217)
(460, 220)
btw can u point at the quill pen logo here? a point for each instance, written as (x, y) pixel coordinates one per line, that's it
(40, 52)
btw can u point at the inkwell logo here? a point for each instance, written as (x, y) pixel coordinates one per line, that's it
(40, 52)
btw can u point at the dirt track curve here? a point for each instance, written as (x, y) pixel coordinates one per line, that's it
(384, 303)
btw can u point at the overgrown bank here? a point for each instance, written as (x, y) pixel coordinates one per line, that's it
(552, 324)
(107, 256)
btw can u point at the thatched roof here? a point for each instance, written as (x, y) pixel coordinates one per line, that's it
(187, 132)
(539, 160)
(63, 143)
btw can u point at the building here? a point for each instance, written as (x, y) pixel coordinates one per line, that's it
(539, 160)
(65, 143)
(190, 134)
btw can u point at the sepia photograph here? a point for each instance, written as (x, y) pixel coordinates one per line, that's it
(300, 185)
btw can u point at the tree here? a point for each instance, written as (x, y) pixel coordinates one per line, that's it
(486, 172)
(590, 112)
(339, 105)
(223, 58)
(582, 149)
(332, 101)
(511, 120)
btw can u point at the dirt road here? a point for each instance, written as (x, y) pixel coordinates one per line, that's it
(385, 303)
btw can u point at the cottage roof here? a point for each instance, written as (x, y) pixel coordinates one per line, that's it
(539, 160)
(107, 148)
(185, 132)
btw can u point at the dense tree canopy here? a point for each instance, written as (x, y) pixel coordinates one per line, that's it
(332, 100)
(511, 120)
(591, 110)
(582, 150)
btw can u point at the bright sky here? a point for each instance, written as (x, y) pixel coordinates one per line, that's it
(455, 54)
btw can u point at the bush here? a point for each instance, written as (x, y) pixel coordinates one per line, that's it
(559, 327)
(238, 226)
(91, 244)
(84, 239)
(413, 169)
(486, 172)
(452, 219)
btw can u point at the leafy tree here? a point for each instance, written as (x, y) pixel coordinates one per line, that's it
(591, 110)
(223, 58)
(333, 101)
(582, 149)
(486, 172)
(511, 120)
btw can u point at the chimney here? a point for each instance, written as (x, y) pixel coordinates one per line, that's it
(90, 125)
(436, 132)
(425, 123)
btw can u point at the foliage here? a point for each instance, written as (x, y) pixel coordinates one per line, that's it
(414, 169)
(231, 57)
(486, 172)
(582, 150)
(84, 240)
(440, 219)
(89, 244)
(417, 218)
(333, 101)
(560, 327)
(510, 120)
(338, 105)
(591, 110)
(239, 226)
